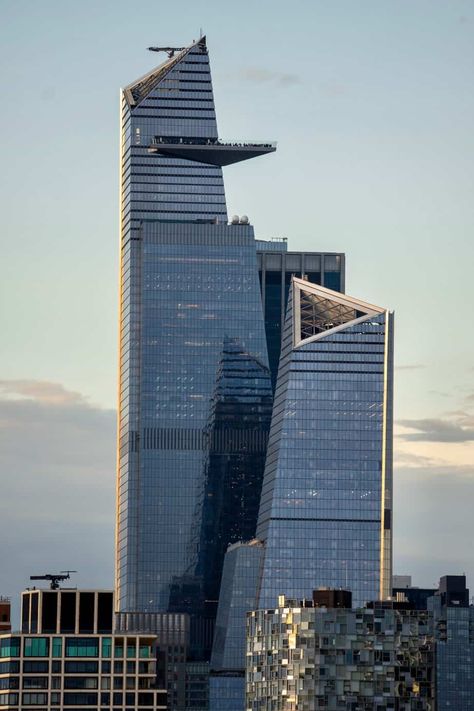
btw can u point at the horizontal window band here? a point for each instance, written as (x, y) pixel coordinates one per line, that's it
(176, 98)
(333, 361)
(339, 372)
(241, 441)
(326, 520)
(177, 212)
(179, 118)
(200, 91)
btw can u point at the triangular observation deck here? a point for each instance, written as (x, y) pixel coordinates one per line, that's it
(318, 311)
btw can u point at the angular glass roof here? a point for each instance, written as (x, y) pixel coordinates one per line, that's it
(317, 310)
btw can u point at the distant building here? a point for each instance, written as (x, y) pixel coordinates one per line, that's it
(5, 614)
(402, 589)
(276, 266)
(173, 654)
(453, 620)
(304, 656)
(67, 656)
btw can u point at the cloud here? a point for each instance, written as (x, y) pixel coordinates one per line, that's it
(265, 76)
(40, 391)
(414, 366)
(413, 460)
(437, 430)
(57, 464)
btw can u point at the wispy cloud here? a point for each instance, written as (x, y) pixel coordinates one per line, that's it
(436, 430)
(414, 460)
(259, 75)
(41, 391)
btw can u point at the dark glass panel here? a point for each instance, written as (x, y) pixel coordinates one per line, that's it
(86, 612)
(68, 612)
(49, 612)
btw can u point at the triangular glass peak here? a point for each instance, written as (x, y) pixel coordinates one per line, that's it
(317, 310)
(140, 89)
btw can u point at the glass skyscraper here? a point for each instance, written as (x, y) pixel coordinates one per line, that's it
(195, 391)
(203, 308)
(325, 510)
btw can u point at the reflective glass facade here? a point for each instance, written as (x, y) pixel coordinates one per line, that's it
(238, 595)
(197, 412)
(195, 390)
(325, 512)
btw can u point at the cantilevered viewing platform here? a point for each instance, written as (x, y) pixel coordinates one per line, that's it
(210, 151)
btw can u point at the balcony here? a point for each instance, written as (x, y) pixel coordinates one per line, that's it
(210, 151)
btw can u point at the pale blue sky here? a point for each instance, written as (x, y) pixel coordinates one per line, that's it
(372, 105)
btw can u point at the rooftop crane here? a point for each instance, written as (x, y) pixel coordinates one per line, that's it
(54, 578)
(169, 50)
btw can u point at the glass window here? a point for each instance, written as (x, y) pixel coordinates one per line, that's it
(10, 647)
(81, 682)
(81, 667)
(106, 646)
(9, 667)
(36, 647)
(35, 667)
(79, 699)
(35, 682)
(57, 647)
(9, 699)
(145, 651)
(34, 699)
(82, 647)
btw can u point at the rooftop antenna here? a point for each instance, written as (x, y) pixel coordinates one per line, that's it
(54, 578)
(169, 51)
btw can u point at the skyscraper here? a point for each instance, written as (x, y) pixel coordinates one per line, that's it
(325, 510)
(195, 391)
